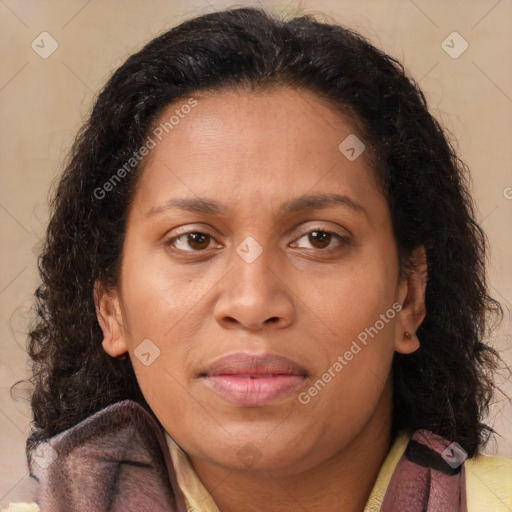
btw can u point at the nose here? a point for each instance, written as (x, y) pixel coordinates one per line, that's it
(254, 295)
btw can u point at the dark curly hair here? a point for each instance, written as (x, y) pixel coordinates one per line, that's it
(445, 386)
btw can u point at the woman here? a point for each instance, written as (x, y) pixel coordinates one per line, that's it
(249, 301)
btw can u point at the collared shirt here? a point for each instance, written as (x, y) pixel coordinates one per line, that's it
(488, 481)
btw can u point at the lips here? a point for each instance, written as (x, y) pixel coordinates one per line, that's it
(253, 379)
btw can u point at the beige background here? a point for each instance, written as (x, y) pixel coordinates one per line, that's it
(43, 102)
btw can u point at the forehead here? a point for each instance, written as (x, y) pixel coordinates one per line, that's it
(254, 147)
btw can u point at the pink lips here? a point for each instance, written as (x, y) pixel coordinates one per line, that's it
(254, 380)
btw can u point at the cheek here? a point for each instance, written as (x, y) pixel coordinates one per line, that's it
(359, 352)
(356, 304)
(158, 297)
(353, 297)
(161, 307)
(166, 391)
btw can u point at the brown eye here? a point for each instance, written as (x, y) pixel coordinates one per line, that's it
(194, 240)
(320, 239)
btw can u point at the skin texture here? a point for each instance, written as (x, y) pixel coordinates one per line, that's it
(253, 152)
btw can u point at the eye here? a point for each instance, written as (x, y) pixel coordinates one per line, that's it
(321, 239)
(195, 240)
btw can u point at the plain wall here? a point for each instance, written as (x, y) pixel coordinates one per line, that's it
(44, 101)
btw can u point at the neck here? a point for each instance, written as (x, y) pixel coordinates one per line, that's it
(343, 480)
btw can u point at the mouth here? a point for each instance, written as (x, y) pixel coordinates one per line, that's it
(253, 379)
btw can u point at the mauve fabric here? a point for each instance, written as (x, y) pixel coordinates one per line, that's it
(423, 480)
(118, 461)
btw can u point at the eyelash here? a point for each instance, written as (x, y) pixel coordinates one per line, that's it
(341, 239)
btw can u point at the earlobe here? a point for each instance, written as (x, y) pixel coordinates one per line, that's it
(109, 318)
(407, 344)
(412, 297)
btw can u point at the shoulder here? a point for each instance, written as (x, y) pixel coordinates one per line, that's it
(488, 483)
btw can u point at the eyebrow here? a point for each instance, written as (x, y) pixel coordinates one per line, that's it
(302, 203)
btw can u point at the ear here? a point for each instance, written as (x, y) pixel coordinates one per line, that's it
(411, 295)
(110, 319)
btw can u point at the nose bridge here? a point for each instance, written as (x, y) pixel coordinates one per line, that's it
(253, 292)
(252, 264)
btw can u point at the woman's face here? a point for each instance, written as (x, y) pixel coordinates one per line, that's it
(291, 270)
